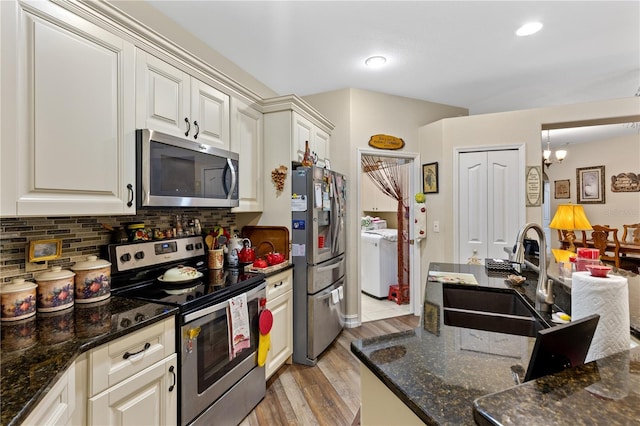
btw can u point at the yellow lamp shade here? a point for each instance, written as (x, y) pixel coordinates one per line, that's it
(570, 217)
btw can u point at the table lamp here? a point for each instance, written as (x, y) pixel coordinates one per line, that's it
(570, 217)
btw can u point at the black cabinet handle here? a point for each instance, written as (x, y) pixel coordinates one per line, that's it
(186, 120)
(171, 370)
(195, 123)
(130, 200)
(127, 355)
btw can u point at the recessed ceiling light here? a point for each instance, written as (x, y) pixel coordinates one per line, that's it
(375, 61)
(529, 28)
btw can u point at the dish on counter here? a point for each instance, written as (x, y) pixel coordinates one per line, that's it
(600, 271)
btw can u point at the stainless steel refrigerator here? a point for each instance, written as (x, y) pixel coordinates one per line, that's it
(318, 205)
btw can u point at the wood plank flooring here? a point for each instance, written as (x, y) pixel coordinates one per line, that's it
(327, 394)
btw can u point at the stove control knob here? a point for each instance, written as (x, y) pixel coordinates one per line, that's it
(140, 317)
(198, 246)
(125, 257)
(189, 247)
(139, 255)
(125, 322)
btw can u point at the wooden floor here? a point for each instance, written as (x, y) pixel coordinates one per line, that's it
(327, 394)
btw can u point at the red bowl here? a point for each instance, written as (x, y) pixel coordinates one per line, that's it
(598, 270)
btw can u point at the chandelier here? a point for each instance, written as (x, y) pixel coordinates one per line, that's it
(546, 154)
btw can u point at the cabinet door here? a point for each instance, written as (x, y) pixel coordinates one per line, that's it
(74, 152)
(320, 146)
(162, 96)
(150, 397)
(57, 407)
(372, 199)
(302, 131)
(281, 333)
(209, 115)
(246, 140)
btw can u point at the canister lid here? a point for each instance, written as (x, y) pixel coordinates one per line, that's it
(91, 262)
(16, 285)
(55, 273)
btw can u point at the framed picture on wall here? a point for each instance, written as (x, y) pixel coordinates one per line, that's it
(430, 178)
(590, 185)
(562, 188)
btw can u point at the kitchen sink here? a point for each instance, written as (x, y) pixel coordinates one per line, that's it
(490, 309)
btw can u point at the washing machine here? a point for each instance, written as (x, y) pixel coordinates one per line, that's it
(378, 261)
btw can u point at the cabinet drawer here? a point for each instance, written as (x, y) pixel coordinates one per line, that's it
(279, 284)
(122, 358)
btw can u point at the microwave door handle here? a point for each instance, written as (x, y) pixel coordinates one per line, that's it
(234, 178)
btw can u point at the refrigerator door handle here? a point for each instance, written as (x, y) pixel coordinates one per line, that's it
(328, 268)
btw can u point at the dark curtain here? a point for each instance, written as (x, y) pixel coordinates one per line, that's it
(390, 175)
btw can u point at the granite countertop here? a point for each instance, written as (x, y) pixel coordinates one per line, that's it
(38, 350)
(439, 370)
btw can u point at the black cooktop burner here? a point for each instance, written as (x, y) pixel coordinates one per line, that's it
(215, 286)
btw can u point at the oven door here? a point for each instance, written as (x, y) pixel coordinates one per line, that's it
(208, 370)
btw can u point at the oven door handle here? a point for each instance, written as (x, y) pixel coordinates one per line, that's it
(251, 295)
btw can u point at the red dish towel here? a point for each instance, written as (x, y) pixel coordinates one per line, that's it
(238, 319)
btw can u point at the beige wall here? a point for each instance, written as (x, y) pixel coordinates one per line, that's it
(357, 115)
(499, 129)
(618, 155)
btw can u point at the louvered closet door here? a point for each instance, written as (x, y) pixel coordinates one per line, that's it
(488, 211)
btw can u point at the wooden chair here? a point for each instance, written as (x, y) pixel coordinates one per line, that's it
(602, 236)
(631, 233)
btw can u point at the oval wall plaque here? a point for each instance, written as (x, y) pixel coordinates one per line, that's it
(534, 186)
(386, 142)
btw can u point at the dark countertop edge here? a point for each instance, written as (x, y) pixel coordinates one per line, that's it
(74, 350)
(389, 383)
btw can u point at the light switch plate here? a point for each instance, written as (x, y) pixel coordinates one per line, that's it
(436, 226)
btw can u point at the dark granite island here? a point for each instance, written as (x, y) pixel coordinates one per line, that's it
(434, 373)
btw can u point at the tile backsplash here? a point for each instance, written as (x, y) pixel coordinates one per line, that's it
(86, 235)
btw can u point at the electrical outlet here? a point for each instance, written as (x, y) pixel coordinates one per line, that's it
(436, 226)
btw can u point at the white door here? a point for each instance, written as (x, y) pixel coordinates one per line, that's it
(488, 210)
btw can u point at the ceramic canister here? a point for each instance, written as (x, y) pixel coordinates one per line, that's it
(93, 280)
(18, 300)
(55, 289)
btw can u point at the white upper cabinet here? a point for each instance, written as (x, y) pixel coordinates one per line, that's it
(304, 131)
(70, 148)
(246, 140)
(372, 199)
(171, 101)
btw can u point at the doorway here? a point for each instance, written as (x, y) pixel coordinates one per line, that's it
(378, 307)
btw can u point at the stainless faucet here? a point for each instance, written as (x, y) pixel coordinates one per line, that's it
(544, 289)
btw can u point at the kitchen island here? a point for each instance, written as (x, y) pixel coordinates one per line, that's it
(436, 372)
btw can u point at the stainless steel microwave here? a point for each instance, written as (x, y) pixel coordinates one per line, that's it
(176, 172)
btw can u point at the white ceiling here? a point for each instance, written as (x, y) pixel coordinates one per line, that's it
(461, 53)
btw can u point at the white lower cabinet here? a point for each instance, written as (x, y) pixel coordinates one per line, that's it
(133, 380)
(149, 397)
(280, 303)
(58, 405)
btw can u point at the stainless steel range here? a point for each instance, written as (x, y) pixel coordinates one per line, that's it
(218, 383)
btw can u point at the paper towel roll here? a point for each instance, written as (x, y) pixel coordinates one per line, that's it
(608, 297)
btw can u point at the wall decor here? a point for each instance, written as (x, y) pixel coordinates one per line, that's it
(534, 186)
(625, 182)
(431, 317)
(430, 178)
(562, 188)
(386, 142)
(590, 185)
(42, 250)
